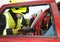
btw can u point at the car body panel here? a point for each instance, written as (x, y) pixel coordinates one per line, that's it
(34, 38)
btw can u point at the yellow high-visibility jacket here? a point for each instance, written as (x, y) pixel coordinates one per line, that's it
(11, 23)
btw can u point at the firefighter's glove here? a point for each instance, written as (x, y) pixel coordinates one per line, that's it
(15, 31)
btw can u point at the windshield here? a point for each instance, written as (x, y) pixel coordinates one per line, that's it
(36, 20)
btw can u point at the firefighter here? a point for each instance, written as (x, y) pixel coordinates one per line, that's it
(14, 19)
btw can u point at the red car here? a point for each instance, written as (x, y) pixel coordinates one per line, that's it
(38, 36)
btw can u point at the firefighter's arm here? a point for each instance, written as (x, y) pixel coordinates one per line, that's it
(13, 31)
(2, 23)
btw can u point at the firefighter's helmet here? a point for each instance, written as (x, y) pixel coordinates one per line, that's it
(19, 9)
